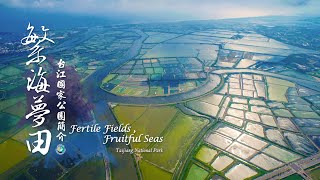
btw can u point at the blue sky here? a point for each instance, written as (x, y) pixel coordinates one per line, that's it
(172, 9)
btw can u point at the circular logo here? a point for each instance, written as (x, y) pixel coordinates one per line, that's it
(60, 149)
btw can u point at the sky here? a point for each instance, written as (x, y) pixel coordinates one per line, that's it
(174, 10)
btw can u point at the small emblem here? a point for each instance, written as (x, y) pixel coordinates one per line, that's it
(60, 149)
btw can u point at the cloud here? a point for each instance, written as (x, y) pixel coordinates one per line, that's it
(173, 9)
(299, 2)
(30, 3)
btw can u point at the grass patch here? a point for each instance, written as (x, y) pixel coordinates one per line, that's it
(128, 114)
(177, 140)
(23, 134)
(92, 169)
(315, 173)
(10, 102)
(197, 173)
(7, 121)
(153, 122)
(18, 109)
(281, 82)
(305, 114)
(11, 71)
(152, 172)
(277, 92)
(206, 154)
(11, 153)
(108, 78)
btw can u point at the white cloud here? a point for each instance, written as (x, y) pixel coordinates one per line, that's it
(175, 9)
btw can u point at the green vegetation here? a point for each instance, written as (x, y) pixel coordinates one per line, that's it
(156, 91)
(149, 70)
(108, 78)
(10, 102)
(124, 166)
(206, 154)
(305, 114)
(19, 109)
(294, 177)
(153, 122)
(282, 113)
(11, 153)
(281, 82)
(151, 172)
(203, 108)
(8, 121)
(91, 169)
(178, 129)
(128, 114)
(154, 77)
(23, 134)
(177, 140)
(281, 154)
(277, 89)
(277, 92)
(260, 130)
(315, 174)
(197, 173)
(11, 71)
(145, 120)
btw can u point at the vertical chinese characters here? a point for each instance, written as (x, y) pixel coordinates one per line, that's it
(39, 85)
(61, 114)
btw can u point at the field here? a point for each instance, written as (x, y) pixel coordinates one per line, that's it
(145, 120)
(277, 89)
(8, 122)
(128, 114)
(257, 85)
(206, 154)
(240, 171)
(315, 174)
(151, 172)
(197, 173)
(12, 153)
(19, 109)
(91, 169)
(154, 120)
(10, 102)
(178, 130)
(121, 163)
(177, 140)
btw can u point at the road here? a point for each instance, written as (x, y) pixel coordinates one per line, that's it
(296, 167)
